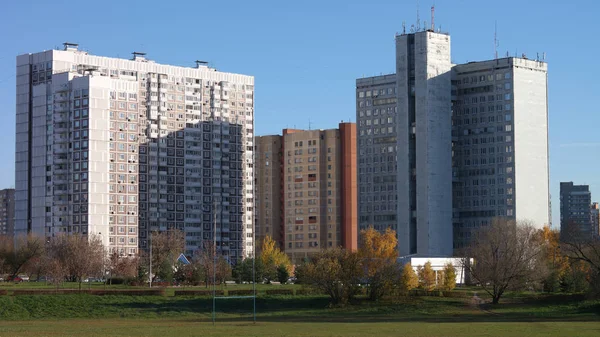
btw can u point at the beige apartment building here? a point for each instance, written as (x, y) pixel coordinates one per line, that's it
(306, 188)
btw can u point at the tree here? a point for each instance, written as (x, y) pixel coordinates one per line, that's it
(76, 256)
(272, 257)
(585, 248)
(123, 266)
(378, 253)
(507, 255)
(449, 277)
(408, 279)
(557, 263)
(214, 269)
(336, 272)
(282, 274)
(426, 276)
(166, 248)
(14, 257)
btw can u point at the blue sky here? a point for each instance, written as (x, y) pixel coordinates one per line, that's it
(306, 55)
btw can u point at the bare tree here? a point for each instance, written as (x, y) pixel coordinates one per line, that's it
(166, 247)
(507, 255)
(122, 266)
(583, 247)
(77, 256)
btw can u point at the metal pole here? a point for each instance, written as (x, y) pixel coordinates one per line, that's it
(214, 252)
(150, 272)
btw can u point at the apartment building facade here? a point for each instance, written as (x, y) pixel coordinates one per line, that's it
(576, 208)
(500, 124)
(307, 189)
(471, 144)
(7, 211)
(119, 148)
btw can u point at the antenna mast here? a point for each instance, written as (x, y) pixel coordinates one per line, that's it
(418, 18)
(432, 18)
(496, 39)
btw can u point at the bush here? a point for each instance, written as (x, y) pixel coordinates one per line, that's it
(240, 292)
(97, 292)
(198, 292)
(280, 292)
(120, 280)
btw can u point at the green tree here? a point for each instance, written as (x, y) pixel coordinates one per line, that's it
(282, 274)
(449, 277)
(426, 276)
(165, 271)
(409, 279)
(336, 272)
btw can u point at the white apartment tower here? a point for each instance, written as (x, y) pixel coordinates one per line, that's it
(117, 148)
(469, 143)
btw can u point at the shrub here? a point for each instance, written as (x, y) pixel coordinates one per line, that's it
(198, 292)
(280, 292)
(240, 292)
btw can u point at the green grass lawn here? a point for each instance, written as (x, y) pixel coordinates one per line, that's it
(112, 315)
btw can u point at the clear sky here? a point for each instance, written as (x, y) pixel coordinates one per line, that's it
(305, 55)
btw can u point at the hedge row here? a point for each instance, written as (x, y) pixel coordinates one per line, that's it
(97, 292)
(198, 292)
(3, 292)
(280, 292)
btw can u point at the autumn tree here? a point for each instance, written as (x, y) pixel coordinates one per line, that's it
(426, 276)
(378, 253)
(408, 279)
(556, 261)
(448, 277)
(583, 248)
(125, 267)
(506, 255)
(15, 256)
(336, 272)
(166, 248)
(272, 257)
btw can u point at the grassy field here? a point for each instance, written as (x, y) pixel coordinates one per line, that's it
(88, 315)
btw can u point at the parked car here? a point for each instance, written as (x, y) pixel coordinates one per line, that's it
(14, 279)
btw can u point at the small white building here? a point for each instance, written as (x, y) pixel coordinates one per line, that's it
(438, 264)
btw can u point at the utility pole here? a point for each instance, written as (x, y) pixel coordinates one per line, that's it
(150, 272)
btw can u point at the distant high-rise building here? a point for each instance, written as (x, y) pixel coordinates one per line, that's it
(575, 214)
(7, 211)
(118, 148)
(595, 214)
(306, 190)
(466, 143)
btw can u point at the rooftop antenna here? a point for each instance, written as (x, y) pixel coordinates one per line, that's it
(403, 27)
(309, 124)
(496, 44)
(432, 18)
(418, 18)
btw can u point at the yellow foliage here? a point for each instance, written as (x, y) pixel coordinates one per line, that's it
(426, 276)
(272, 257)
(409, 279)
(377, 249)
(449, 277)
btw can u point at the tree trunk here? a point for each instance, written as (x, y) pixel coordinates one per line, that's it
(496, 299)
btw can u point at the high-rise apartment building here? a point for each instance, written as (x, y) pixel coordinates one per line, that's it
(470, 143)
(7, 211)
(500, 126)
(405, 158)
(307, 189)
(575, 214)
(118, 148)
(595, 214)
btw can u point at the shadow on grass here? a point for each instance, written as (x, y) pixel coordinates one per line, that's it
(316, 309)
